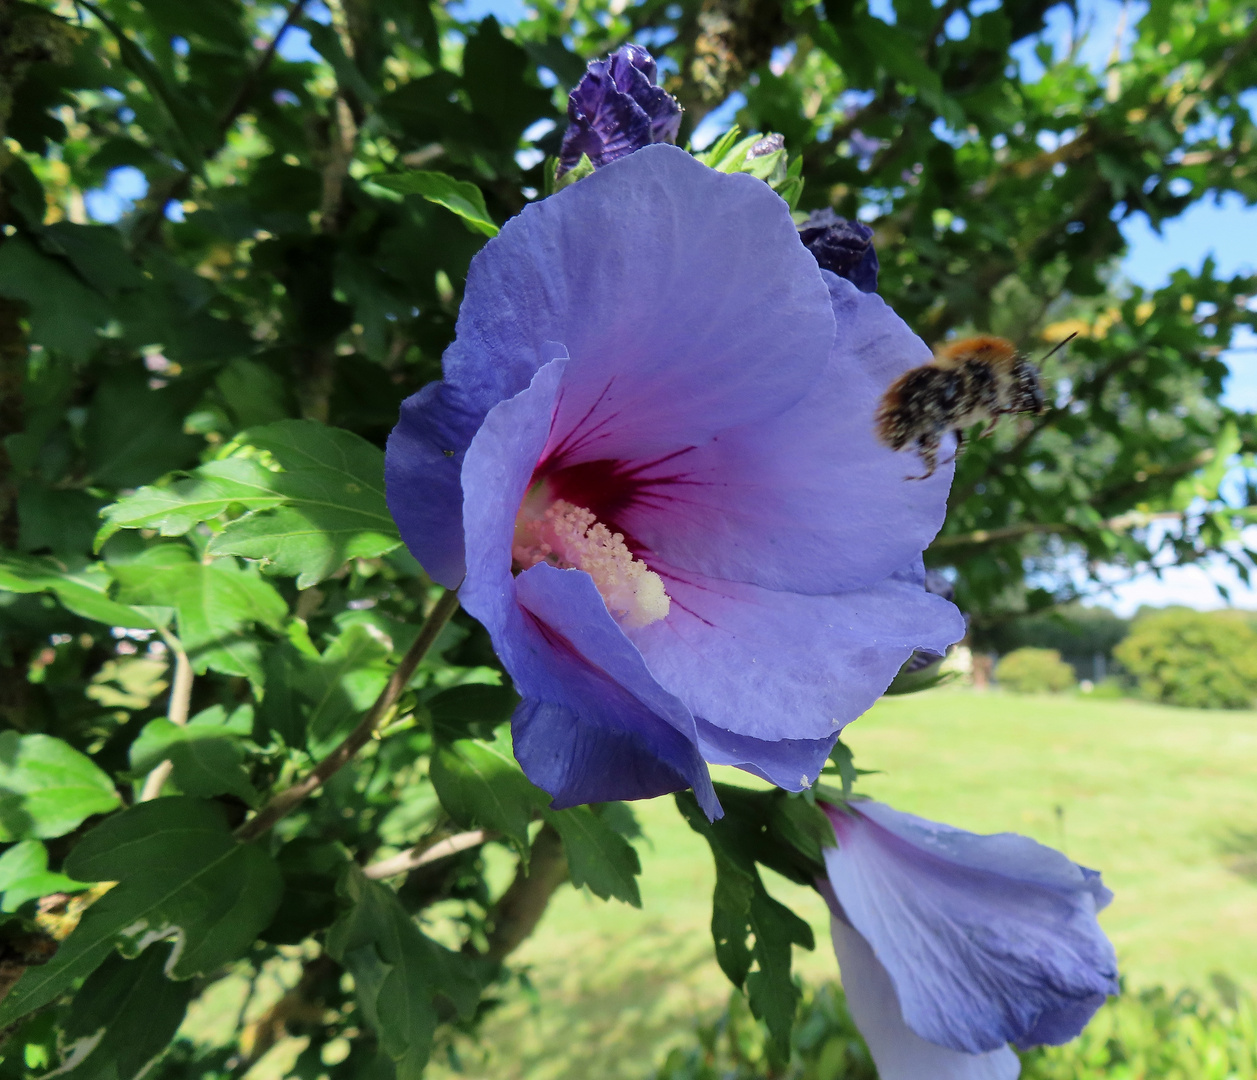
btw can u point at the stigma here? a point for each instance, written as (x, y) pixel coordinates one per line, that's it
(571, 538)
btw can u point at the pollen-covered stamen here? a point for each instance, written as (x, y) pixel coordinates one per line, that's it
(570, 537)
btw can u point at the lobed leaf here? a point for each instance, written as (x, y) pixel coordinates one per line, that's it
(479, 784)
(205, 755)
(400, 974)
(210, 491)
(597, 855)
(742, 911)
(82, 593)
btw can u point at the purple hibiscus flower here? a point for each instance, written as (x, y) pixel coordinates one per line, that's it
(953, 945)
(616, 108)
(651, 465)
(842, 247)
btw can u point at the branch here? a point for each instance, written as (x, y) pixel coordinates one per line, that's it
(177, 187)
(517, 913)
(1028, 528)
(241, 100)
(176, 713)
(421, 855)
(283, 804)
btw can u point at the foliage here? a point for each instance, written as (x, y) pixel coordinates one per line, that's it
(1075, 631)
(1034, 671)
(1148, 1034)
(1198, 659)
(217, 690)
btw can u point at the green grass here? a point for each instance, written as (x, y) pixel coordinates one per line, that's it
(1161, 800)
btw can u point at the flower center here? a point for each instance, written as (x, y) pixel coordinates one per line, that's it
(570, 537)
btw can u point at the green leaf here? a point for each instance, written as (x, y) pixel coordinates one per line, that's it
(311, 869)
(123, 1018)
(47, 788)
(64, 312)
(479, 784)
(24, 875)
(82, 593)
(343, 685)
(181, 875)
(184, 124)
(205, 755)
(97, 253)
(175, 508)
(597, 855)
(742, 911)
(332, 506)
(399, 973)
(214, 603)
(473, 710)
(313, 701)
(135, 434)
(460, 197)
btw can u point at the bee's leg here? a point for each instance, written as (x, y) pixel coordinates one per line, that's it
(960, 445)
(927, 447)
(990, 426)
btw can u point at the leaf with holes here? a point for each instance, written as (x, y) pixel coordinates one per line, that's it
(123, 1017)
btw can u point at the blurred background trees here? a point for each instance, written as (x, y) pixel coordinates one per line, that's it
(204, 239)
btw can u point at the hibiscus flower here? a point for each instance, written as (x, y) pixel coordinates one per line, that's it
(652, 469)
(953, 945)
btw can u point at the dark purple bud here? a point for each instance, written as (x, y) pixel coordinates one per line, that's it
(842, 247)
(616, 108)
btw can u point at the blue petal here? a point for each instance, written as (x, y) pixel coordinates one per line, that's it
(810, 500)
(898, 1052)
(422, 478)
(776, 665)
(595, 725)
(986, 939)
(792, 764)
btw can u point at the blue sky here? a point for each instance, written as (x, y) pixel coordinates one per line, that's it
(1225, 229)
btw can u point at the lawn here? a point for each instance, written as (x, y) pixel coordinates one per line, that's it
(1162, 800)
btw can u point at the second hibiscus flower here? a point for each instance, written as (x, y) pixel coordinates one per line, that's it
(651, 466)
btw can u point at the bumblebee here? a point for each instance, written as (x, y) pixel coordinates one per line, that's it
(977, 378)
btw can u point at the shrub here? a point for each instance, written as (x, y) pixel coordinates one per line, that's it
(1140, 1036)
(1198, 659)
(1034, 671)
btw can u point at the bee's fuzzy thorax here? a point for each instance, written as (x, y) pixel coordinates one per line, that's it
(971, 380)
(985, 348)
